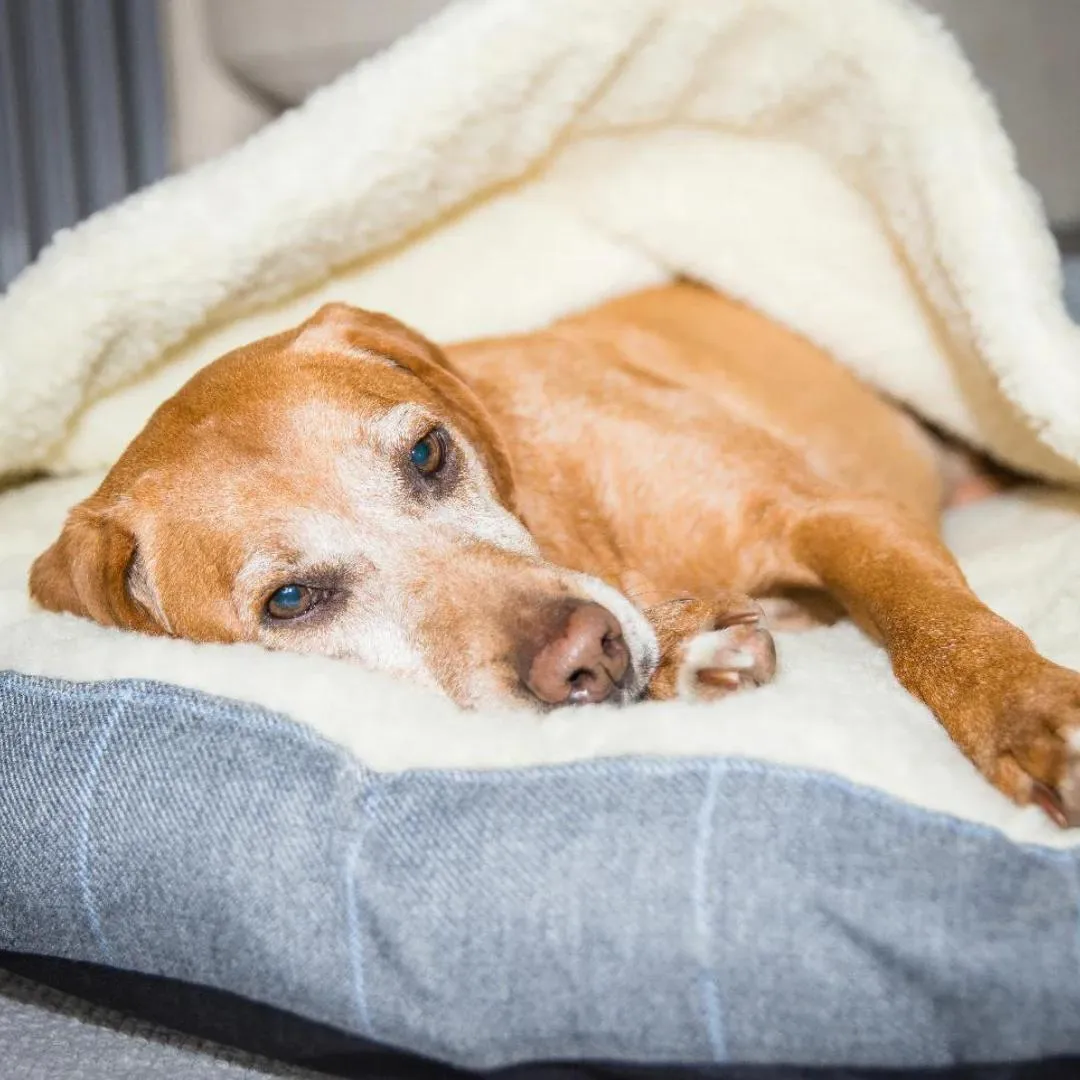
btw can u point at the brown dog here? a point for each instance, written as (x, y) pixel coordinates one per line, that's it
(571, 516)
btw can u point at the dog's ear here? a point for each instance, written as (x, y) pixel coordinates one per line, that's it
(344, 327)
(93, 570)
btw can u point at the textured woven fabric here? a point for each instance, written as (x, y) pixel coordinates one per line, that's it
(629, 910)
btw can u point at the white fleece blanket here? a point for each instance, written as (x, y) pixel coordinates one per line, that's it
(832, 162)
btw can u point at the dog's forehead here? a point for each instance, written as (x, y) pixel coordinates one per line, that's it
(255, 407)
(286, 447)
(293, 381)
(340, 335)
(269, 376)
(232, 475)
(313, 453)
(372, 424)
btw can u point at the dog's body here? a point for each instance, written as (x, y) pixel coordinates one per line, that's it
(343, 488)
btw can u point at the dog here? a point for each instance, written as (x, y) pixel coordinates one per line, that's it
(600, 511)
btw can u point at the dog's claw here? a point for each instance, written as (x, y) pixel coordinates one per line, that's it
(1049, 801)
(722, 680)
(740, 619)
(737, 656)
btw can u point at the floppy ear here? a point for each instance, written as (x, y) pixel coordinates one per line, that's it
(89, 572)
(344, 326)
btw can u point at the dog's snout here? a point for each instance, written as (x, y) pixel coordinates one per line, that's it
(580, 659)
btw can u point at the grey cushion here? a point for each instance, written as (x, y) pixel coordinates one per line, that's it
(636, 910)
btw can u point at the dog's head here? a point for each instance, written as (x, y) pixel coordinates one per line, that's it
(338, 489)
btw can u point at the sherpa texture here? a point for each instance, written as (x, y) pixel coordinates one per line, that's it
(833, 162)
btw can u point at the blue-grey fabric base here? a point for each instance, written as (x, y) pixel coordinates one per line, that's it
(46, 1034)
(628, 910)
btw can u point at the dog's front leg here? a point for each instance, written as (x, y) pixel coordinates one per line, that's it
(709, 649)
(1014, 713)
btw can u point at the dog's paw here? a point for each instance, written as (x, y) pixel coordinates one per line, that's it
(1036, 756)
(719, 662)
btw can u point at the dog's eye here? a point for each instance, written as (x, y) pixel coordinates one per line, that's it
(290, 601)
(429, 455)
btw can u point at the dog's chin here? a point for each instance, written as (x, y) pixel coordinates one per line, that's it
(632, 686)
(522, 701)
(626, 695)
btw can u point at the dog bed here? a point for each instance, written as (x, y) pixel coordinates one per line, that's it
(809, 873)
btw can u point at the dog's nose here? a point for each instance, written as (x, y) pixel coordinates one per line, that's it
(581, 660)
